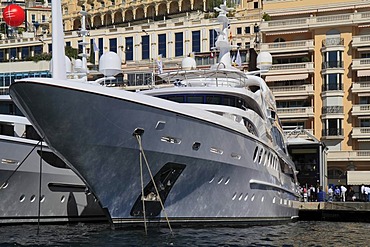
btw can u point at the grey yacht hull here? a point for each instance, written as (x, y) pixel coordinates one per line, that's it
(64, 197)
(204, 172)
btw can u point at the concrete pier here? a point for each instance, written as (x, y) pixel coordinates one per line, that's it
(334, 211)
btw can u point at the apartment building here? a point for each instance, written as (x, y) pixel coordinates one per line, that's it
(320, 76)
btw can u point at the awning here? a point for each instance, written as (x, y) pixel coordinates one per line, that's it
(361, 73)
(291, 77)
(358, 177)
(287, 32)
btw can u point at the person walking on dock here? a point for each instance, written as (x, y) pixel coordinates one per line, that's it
(367, 192)
(330, 194)
(343, 191)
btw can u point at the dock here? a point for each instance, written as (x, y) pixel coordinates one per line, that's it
(334, 211)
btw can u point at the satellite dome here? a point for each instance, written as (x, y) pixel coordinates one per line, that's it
(78, 64)
(67, 62)
(110, 64)
(188, 63)
(264, 60)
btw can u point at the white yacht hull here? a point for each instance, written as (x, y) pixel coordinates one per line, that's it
(63, 195)
(218, 183)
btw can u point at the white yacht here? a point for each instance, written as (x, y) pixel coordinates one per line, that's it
(209, 148)
(25, 163)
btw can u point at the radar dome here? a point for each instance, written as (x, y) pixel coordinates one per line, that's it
(188, 63)
(78, 64)
(264, 60)
(110, 64)
(67, 62)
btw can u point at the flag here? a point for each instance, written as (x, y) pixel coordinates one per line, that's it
(96, 48)
(238, 59)
(159, 64)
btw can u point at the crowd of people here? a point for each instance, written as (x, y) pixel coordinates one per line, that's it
(337, 193)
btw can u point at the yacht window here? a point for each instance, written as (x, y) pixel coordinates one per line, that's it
(6, 129)
(179, 99)
(229, 101)
(213, 99)
(31, 133)
(194, 99)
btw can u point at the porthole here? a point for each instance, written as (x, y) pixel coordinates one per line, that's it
(220, 180)
(236, 156)
(42, 199)
(160, 125)
(281, 201)
(252, 198)
(196, 146)
(211, 180)
(22, 198)
(216, 150)
(62, 199)
(33, 198)
(227, 180)
(274, 200)
(262, 199)
(234, 196)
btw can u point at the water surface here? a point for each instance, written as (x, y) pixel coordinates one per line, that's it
(301, 233)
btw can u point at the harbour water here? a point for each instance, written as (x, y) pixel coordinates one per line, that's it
(301, 233)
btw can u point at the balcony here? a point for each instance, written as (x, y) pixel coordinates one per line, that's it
(332, 112)
(355, 155)
(295, 112)
(360, 63)
(361, 41)
(361, 110)
(332, 134)
(291, 46)
(292, 68)
(316, 22)
(361, 87)
(293, 91)
(361, 133)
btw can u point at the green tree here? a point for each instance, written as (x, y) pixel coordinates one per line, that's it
(71, 52)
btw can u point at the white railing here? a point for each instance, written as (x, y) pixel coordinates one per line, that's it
(295, 112)
(360, 110)
(306, 67)
(291, 45)
(358, 87)
(315, 21)
(354, 155)
(292, 90)
(360, 63)
(361, 132)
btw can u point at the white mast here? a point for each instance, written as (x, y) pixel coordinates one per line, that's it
(58, 61)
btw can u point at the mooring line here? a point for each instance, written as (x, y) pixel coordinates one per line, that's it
(40, 181)
(142, 192)
(138, 138)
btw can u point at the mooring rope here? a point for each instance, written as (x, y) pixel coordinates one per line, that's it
(142, 191)
(138, 138)
(40, 181)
